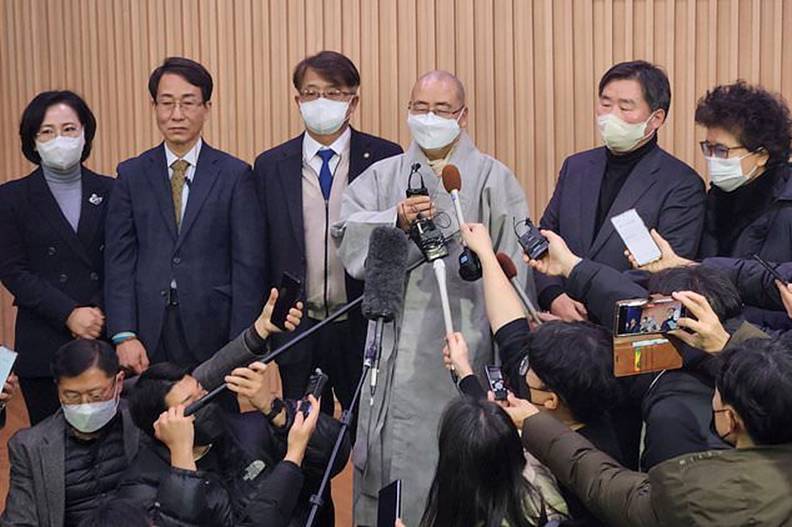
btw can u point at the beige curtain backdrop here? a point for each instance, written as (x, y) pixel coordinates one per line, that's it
(530, 67)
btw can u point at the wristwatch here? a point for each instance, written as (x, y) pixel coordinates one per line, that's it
(275, 409)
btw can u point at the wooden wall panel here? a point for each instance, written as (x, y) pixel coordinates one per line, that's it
(530, 67)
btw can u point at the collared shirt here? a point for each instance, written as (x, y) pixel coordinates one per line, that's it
(192, 158)
(325, 277)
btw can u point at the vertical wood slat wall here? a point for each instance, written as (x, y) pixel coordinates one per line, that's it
(530, 67)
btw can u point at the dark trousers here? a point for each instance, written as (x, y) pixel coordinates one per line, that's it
(173, 343)
(41, 397)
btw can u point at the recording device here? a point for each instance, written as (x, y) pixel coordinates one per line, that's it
(383, 290)
(315, 387)
(423, 231)
(288, 294)
(533, 243)
(636, 237)
(389, 504)
(469, 264)
(510, 270)
(496, 383)
(643, 317)
(770, 269)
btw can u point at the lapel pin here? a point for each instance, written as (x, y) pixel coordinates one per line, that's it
(366, 155)
(95, 199)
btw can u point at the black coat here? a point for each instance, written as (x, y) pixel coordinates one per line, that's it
(278, 176)
(668, 195)
(768, 234)
(48, 267)
(216, 256)
(255, 486)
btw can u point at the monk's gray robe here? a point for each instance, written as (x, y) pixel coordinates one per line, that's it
(397, 435)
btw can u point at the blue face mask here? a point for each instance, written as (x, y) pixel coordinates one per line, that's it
(90, 417)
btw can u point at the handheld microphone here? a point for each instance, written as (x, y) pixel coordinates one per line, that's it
(440, 274)
(469, 263)
(383, 292)
(510, 270)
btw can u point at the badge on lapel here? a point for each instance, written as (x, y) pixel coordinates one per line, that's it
(95, 199)
(366, 155)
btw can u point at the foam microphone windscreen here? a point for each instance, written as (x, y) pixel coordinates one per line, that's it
(452, 180)
(385, 274)
(507, 265)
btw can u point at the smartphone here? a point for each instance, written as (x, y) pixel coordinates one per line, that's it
(495, 380)
(644, 317)
(389, 504)
(7, 360)
(315, 387)
(288, 294)
(770, 269)
(636, 237)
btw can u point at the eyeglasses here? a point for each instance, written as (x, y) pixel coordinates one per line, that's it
(92, 396)
(334, 94)
(50, 132)
(717, 150)
(440, 110)
(167, 106)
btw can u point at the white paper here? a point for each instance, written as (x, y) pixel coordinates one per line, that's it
(636, 237)
(7, 359)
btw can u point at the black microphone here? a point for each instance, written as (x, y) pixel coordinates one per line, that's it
(383, 293)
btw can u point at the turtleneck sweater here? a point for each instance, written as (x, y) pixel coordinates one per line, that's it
(66, 187)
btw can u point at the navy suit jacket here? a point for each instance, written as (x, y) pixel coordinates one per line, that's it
(216, 256)
(668, 195)
(48, 267)
(278, 176)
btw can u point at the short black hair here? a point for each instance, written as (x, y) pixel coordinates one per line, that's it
(80, 355)
(654, 82)
(189, 70)
(756, 379)
(331, 66)
(756, 117)
(575, 360)
(147, 398)
(118, 513)
(713, 284)
(34, 113)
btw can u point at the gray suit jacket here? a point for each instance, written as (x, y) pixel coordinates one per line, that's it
(37, 495)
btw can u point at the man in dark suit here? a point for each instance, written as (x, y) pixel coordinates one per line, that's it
(630, 171)
(300, 185)
(184, 251)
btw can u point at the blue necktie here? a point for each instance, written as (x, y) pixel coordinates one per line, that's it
(325, 175)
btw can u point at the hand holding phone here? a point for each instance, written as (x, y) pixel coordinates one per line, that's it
(288, 294)
(7, 360)
(496, 382)
(315, 387)
(636, 237)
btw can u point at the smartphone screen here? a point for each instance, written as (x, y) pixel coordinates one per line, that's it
(7, 360)
(389, 504)
(288, 293)
(636, 237)
(659, 315)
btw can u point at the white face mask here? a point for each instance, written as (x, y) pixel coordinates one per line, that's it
(431, 131)
(324, 116)
(726, 174)
(61, 153)
(90, 417)
(618, 135)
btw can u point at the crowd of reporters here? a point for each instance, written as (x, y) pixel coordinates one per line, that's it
(709, 443)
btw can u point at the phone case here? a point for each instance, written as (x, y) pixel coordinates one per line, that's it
(637, 354)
